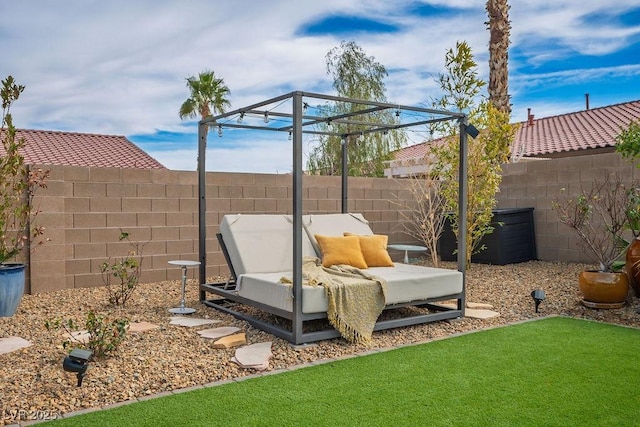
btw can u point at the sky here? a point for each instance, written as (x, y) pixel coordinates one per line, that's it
(118, 67)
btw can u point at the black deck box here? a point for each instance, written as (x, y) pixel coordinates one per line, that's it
(513, 239)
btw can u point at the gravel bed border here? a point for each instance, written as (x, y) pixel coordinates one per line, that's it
(173, 358)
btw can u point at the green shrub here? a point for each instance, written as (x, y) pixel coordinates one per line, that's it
(121, 275)
(105, 335)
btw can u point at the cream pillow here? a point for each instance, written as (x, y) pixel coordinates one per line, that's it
(374, 249)
(341, 250)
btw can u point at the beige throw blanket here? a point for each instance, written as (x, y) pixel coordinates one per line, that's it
(356, 298)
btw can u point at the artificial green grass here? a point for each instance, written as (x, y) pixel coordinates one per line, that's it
(551, 372)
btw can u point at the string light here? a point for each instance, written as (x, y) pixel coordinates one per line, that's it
(241, 117)
(361, 137)
(220, 131)
(290, 136)
(266, 117)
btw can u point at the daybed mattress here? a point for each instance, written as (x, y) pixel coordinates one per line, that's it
(405, 283)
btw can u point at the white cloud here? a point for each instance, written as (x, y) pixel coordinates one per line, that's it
(118, 67)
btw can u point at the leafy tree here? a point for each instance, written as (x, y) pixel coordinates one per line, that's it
(462, 87)
(208, 95)
(629, 142)
(18, 184)
(358, 76)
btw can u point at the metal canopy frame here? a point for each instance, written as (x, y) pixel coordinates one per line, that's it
(289, 113)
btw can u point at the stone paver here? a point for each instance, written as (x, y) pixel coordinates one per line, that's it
(191, 322)
(78, 336)
(216, 333)
(142, 326)
(9, 344)
(479, 305)
(474, 312)
(254, 356)
(480, 314)
(231, 341)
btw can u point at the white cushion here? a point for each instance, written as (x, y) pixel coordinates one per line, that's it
(405, 283)
(334, 225)
(261, 243)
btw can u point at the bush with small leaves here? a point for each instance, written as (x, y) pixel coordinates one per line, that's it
(105, 335)
(121, 275)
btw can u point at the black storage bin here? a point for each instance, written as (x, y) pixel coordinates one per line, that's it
(513, 239)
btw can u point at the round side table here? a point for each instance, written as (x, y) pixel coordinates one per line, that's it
(407, 249)
(184, 264)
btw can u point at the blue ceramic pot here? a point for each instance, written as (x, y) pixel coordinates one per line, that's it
(11, 288)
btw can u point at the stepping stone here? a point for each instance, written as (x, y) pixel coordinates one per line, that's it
(254, 356)
(472, 312)
(480, 314)
(142, 326)
(479, 305)
(191, 322)
(215, 333)
(231, 341)
(7, 345)
(78, 336)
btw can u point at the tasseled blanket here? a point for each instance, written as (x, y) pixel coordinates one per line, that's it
(356, 298)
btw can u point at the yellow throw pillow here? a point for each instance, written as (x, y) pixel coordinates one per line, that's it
(341, 250)
(374, 249)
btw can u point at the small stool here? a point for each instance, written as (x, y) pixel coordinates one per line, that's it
(184, 264)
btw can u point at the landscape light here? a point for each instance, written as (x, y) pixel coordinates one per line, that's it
(472, 131)
(538, 296)
(77, 361)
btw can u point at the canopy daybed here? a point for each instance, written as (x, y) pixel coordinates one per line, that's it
(241, 233)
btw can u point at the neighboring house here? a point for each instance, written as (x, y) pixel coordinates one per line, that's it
(591, 131)
(45, 147)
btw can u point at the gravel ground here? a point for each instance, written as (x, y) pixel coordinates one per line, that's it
(173, 357)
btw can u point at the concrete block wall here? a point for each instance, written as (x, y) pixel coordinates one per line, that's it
(84, 209)
(537, 183)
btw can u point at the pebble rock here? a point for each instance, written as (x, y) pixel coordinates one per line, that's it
(169, 357)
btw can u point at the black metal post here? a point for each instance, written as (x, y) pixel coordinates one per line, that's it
(296, 321)
(462, 210)
(202, 203)
(345, 175)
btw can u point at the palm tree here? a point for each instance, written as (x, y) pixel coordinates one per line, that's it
(208, 96)
(499, 29)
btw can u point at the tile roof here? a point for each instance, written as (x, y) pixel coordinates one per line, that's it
(582, 130)
(562, 135)
(45, 147)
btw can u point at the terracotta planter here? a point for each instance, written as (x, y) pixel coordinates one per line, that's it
(603, 290)
(632, 266)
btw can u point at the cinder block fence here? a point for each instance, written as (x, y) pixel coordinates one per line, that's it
(84, 209)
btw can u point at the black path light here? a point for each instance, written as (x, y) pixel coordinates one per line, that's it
(77, 361)
(538, 296)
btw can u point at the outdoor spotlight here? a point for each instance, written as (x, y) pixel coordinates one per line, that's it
(538, 296)
(472, 131)
(77, 361)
